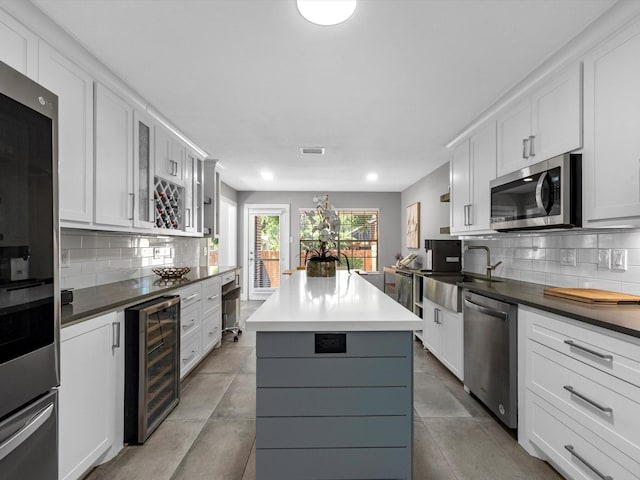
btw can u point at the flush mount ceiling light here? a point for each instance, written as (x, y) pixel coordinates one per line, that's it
(372, 177)
(326, 12)
(266, 175)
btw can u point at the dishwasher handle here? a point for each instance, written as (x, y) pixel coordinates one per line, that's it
(487, 311)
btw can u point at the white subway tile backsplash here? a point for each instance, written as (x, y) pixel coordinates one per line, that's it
(96, 258)
(533, 277)
(625, 239)
(588, 255)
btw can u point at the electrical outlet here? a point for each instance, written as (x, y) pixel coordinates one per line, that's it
(162, 252)
(64, 258)
(604, 258)
(619, 259)
(568, 257)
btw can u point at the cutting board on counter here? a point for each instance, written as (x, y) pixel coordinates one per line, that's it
(592, 295)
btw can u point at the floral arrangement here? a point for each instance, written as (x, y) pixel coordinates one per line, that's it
(326, 224)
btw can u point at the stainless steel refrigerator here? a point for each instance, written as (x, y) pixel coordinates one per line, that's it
(29, 280)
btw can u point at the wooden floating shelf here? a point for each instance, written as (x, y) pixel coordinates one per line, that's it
(445, 197)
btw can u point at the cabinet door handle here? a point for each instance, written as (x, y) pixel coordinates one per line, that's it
(115, 330)
(188, 215)
(532, 145)
(133, 205)
(603, 356)
(469, 214)
(525, 148)
(436, 312)
(573, 391)
(573, 452)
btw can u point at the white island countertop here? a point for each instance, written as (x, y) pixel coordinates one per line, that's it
(345, 302)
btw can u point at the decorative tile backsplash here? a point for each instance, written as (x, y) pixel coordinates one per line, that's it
(89, 258)
(589, 259)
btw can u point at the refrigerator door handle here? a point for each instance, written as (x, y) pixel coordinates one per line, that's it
(32, 425)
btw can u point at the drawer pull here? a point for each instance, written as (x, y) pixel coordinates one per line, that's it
(214, 297)
(572, 451)
(190, 357)
(572, 391)
(193, 295)
(603, 356)
(189, 326)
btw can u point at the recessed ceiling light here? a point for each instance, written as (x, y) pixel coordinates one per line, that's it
(326, 12)
(372, 177)
(266, 175)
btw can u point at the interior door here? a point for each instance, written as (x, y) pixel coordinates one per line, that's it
(268, 249)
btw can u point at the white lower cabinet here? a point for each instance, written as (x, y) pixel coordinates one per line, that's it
(91, 394)
(581, 410)
(212, 312)
(443, 336)
(190, 338)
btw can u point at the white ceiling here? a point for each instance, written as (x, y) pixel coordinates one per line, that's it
(251, 81)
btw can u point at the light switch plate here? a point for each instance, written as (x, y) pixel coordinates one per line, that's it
(619, 259)
(604, 258)
(568, 257)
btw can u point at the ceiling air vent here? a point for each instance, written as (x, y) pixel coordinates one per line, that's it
(312, 150)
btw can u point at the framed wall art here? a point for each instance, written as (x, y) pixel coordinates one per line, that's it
(413, 225)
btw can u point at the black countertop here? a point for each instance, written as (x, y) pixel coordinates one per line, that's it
(93, 301)
(620, 318)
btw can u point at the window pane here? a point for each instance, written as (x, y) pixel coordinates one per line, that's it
(358, 238)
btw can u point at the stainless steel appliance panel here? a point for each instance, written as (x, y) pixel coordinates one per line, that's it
(404, 286)
(29, 307)
(491, 355)
(28, 440)
(545, 195)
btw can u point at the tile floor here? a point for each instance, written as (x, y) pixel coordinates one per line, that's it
(211, 434)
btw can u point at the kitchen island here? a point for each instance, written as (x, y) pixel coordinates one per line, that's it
(334, 381)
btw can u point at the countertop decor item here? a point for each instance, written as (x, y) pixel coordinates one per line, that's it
(171, 272)
(592, 295)
(321, 261)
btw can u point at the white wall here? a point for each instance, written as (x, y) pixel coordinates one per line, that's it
(433, 213)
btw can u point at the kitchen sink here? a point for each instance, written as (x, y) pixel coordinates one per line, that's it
(444, 290)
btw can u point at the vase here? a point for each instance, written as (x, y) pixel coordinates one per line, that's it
(321, 269)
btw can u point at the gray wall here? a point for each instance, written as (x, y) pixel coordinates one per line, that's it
(433, 213)
(389, 223)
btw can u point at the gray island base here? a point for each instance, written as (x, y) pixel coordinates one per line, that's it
(334, 403)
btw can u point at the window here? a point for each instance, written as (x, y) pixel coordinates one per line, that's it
(358, 238)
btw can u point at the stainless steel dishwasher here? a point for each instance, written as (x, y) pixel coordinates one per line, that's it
(491, 354)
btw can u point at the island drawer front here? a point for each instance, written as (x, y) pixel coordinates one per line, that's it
(334, 372)
(190, 295)
(613, 352)
(553, 431)
(298, 402)
(359, 344)
(329, 463)
(333, 432)
(552, 374)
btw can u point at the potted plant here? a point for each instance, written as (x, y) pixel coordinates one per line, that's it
(321, 261)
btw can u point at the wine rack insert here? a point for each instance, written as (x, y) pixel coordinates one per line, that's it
(168, 204)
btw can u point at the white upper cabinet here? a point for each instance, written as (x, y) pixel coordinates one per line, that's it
(545, 123)
(170, 156)
(74, 88)
(611, 156)
(473, 166)
(514, 129)
(143, 171)
(18, 46)
(114, 196)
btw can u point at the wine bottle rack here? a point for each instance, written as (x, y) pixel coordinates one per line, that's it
(168, 204)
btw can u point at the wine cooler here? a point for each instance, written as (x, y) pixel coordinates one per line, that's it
(152, 365)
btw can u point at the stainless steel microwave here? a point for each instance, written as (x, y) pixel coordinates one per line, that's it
(545, 195)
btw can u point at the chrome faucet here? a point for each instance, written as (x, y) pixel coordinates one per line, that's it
(489, 267)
